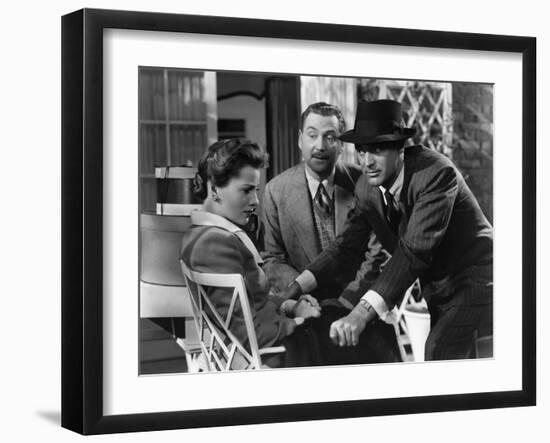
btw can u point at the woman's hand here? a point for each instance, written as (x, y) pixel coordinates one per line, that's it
(310, 299)
(307, 307)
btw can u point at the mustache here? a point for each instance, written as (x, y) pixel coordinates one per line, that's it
(320, 156)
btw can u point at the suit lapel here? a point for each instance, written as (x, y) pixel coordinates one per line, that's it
(404, 203)
(404, 217)
(299, 205)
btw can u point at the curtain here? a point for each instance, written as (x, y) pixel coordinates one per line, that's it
(282, 123)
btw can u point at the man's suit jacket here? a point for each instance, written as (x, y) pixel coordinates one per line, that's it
(290, 238)
(442, 229)
(213, 246)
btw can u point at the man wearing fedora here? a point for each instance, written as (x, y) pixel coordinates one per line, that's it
(419, 207)
(303, 209)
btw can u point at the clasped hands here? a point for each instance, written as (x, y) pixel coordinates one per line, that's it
(305, 307)
(344, 331)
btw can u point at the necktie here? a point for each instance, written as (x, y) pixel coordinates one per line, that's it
(322, 201)
(392, 213)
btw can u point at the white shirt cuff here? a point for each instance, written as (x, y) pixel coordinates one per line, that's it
(307, 281)
(379, 305)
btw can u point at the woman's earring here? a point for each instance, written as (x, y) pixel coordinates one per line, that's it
(215, 196)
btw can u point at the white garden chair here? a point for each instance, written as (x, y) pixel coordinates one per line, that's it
(218, 349)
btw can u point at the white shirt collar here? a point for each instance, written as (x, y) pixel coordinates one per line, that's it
(205, 218)
(313, 183)
(395, 189)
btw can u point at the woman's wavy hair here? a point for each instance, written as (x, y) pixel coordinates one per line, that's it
(223, 160)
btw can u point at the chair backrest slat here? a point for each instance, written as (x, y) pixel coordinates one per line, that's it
(223, 350)
(232, 305)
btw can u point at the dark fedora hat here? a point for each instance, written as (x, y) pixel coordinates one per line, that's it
(378, 121)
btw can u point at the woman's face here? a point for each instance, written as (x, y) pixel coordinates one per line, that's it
(239, 198)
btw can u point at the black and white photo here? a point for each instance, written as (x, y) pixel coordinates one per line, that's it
(299, 124)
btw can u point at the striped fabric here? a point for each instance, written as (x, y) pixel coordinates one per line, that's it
(322, 201)
(443, 238)
(392, 212)
(442, 230)
(323, 211)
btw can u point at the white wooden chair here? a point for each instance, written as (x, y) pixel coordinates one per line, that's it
(218, 349)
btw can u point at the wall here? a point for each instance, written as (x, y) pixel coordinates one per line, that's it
(472, 147)
(245, 107)
(249, 109)
(30, 234)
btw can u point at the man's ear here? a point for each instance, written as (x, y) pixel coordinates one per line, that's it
(402, 153)
(300, 139)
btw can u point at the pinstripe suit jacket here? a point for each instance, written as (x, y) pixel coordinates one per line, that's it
(442, 230)
(290, 239)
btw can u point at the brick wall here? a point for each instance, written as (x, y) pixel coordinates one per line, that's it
(472, 144)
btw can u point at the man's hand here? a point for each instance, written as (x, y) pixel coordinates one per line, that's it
(346, 331)
(292, 292)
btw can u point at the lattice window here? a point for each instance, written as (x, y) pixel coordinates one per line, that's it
(428, 105)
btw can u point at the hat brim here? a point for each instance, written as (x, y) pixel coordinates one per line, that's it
(353, 137)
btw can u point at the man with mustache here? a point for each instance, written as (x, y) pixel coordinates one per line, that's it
(304, 209)
(420, 208)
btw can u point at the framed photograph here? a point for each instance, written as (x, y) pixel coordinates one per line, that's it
(145, 94)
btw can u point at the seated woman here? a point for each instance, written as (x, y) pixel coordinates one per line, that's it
(227, 181)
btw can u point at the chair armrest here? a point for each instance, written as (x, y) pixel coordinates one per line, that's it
(272, 350)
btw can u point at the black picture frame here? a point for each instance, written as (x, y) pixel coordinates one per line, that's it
(82, 154)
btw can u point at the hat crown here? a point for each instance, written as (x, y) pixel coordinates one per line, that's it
(378, 121)
(378, 117)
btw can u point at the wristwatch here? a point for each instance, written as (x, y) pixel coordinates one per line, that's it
(365, 304)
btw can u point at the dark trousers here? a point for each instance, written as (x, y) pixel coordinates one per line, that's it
(461, 308)
(310, 344)
(377, 343)
(302, 349)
